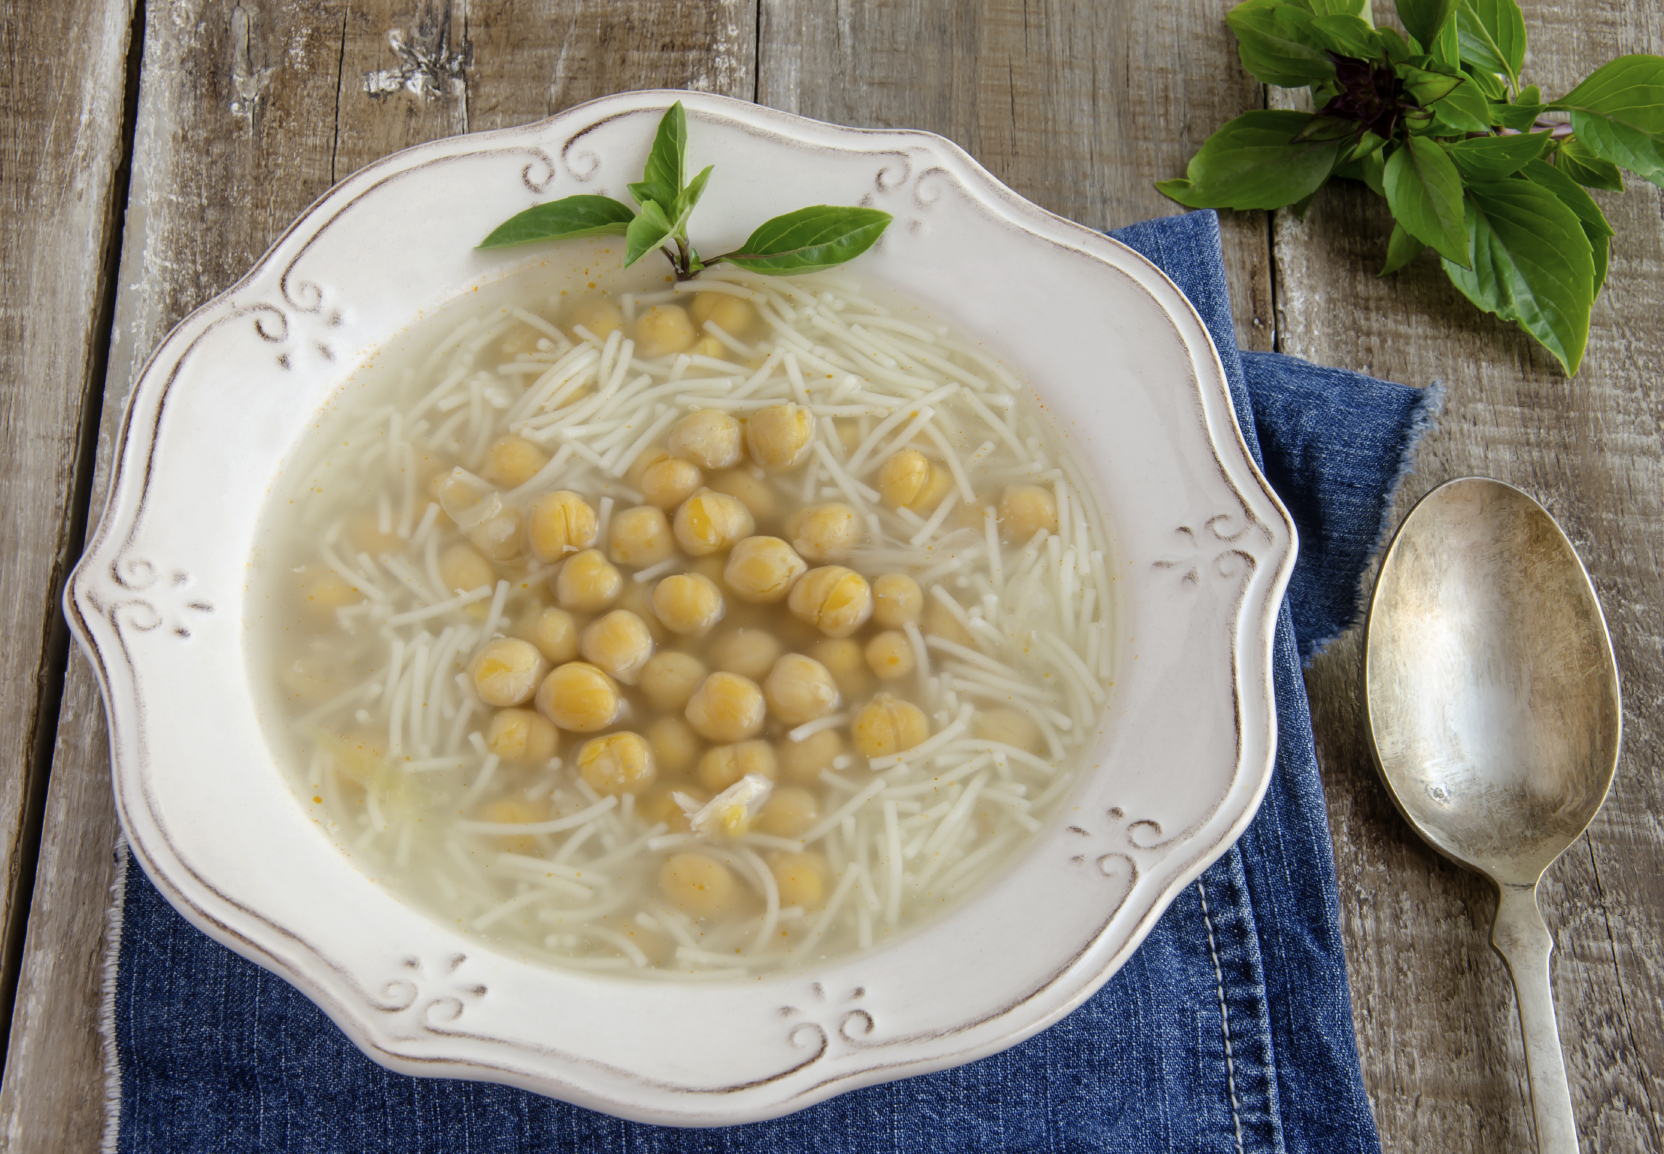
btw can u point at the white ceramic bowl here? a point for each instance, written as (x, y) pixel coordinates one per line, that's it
(1202, 551)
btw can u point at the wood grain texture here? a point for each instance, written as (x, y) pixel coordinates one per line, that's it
(1060, 99)
(1434, 1008)
(249, 111)
(59, 162)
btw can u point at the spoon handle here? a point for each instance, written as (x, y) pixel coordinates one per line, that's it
(1523, 940)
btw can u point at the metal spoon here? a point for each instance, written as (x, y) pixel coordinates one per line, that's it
(1494, 714)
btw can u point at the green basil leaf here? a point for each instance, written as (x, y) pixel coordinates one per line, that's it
(1588, 212)
(667, 160)
(1426, 19)
(1465, 109)
(1321, 127)
(1492, 35)
(1488, 82)
(1277, 44)
(1618, 113)
(1424, 192)
(1345, 35)
(1392, 45)
(1579, 162)
(689, 196)
(1530, 94)
(1374, 168)
(647, 232)
(1368, 145)
(563, 220)
(1494, 157)
(1253, 162)
(1446, 47)
(1519, 117)
(1402, 248)
(648, 190)
(810, 239)
(1357, 9)
(1530, 262)
(1425, 86)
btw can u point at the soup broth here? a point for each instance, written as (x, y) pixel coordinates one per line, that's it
(691, 631)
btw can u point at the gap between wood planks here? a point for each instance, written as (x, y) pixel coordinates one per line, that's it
(55, 658)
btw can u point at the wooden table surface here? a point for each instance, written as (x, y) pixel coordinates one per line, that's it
(152, 151)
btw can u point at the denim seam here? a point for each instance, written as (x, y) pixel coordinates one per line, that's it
(1224, 1014)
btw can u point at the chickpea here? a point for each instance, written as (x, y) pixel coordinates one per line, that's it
(512, 461)
(709, 522)
(597, 314)
(779, 436)
(722, 766)
(579, 698)
(1008, 727)
(890, 655)
(761, 569)
(674, 744)
(559, 523)
(515, 811)
(824, 532)
(507, 671)
(324, 591)
(789, 812)
(497, 534)
(912, 480)
(638, 599)
(521, 735)
(617, 763)
(662, 330)
(726, 707)
(659, 805)
(663, 480)
(669, 679)
(1024, 511)
(587, 582)
(709, 438)
(463, 570)
(553, 631)
(618, 644)
(367, 537)
(709, 346)
(750, 490)
(801, 879)
(835, 600)
(897, 599)
(688, 603)
(940, 621)
(748, 652)
(700, 885)
(799, 689)
(640, 537)
(457, 491)
(802, 761)
(845, 661)
(733, 315)
(887, 725)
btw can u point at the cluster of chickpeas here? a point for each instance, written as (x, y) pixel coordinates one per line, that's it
(689, 683)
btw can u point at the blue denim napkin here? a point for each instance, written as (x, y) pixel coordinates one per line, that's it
(1229, 1030)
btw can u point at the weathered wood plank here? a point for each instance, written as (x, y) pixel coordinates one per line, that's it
(1067, 101)
(1434, 1010)
(246, 114)
(59, 175)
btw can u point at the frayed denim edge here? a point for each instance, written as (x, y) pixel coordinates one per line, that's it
(114, 920)
(1424, 412)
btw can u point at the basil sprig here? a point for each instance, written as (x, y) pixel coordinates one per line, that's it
(807, 240)
(1473, 164)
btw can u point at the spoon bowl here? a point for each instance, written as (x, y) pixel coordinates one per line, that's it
(1495, 717)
